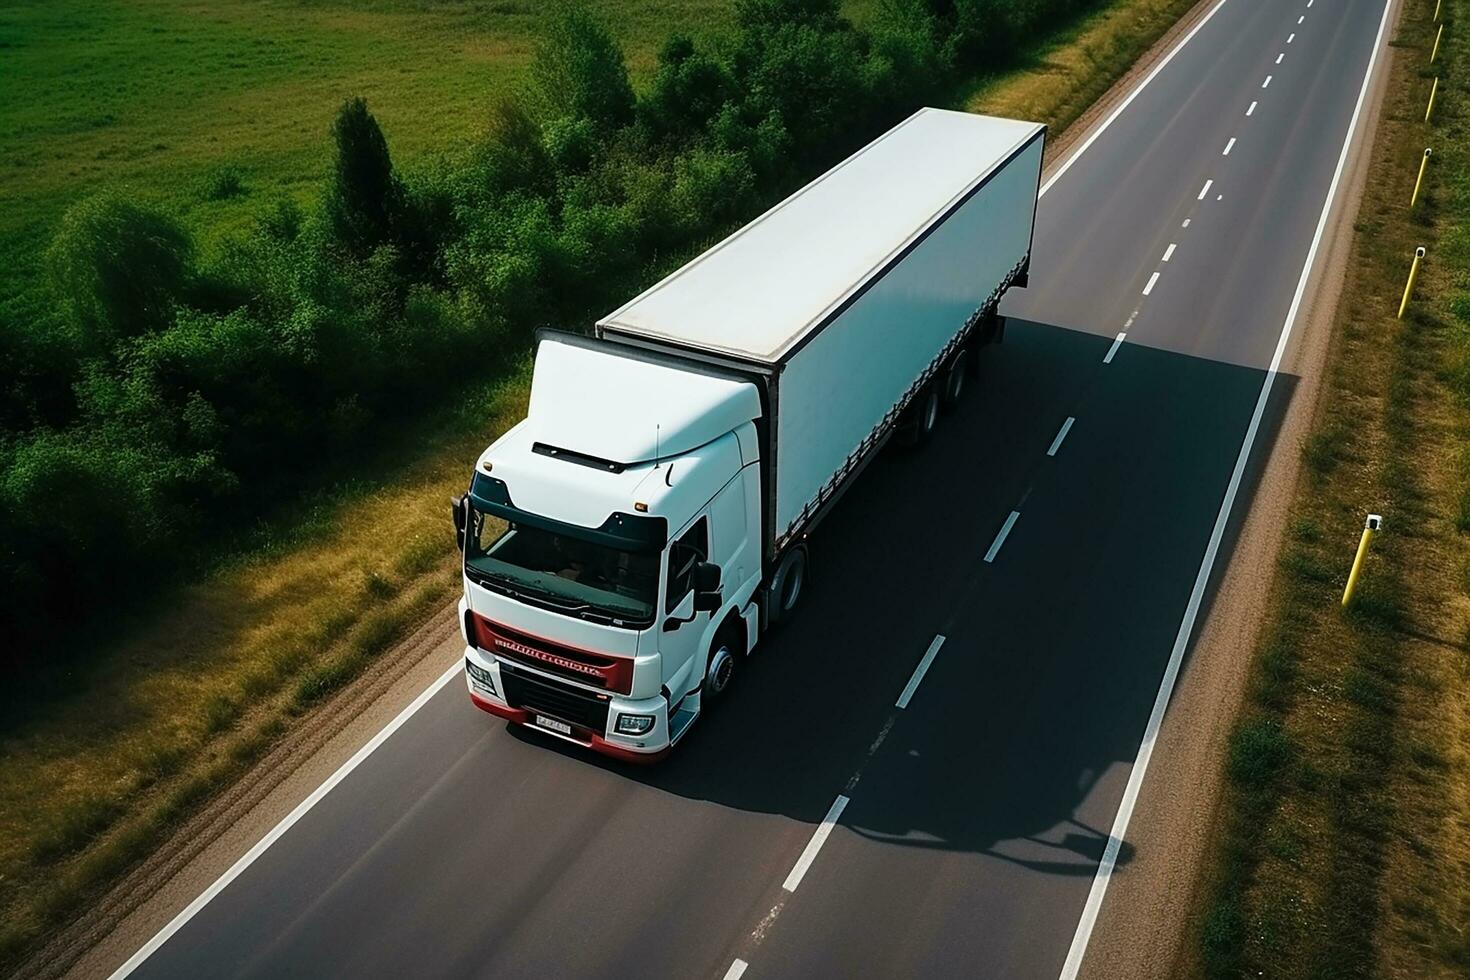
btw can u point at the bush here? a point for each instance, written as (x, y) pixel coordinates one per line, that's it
(118, 268)
(689, 89)
(578, 70)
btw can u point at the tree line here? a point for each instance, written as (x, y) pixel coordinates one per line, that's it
(159, 399)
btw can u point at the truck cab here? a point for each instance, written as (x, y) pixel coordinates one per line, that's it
(612, 549)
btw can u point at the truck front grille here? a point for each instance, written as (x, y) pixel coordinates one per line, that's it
(522, 690)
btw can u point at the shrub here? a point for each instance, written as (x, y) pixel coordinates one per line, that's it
(118, 268)
(688, 91)
(578, 70)
(364, 198)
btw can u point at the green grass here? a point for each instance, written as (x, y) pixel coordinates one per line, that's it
(221, 109)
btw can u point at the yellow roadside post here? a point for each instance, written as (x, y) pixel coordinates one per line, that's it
(1423, 166)
(1435, 53)
(1413, 277)
(1373, 524)
(1432, 90)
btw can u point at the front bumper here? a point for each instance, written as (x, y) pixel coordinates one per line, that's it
(649, 747)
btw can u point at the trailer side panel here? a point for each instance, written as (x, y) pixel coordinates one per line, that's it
(842, 389)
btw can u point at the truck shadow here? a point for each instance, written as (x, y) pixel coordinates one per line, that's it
(1020, 739)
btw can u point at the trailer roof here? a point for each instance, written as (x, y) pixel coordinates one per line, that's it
(758, 293)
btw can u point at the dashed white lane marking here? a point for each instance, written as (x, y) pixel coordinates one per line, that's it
(1108, 357)
(1252, 108)
(1300, 19)
(1228, 147)
(1205, 189)
(1280, 56)
(1186, 223)
(921, 670)
(1291, 37)
(1150, 287)
(1005, 529)
(1169, 252)
(1119, 832)
(737, 970)
(1061, 434)
(1267, 82)
(814, 846)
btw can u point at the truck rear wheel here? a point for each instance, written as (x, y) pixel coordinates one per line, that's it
(788, 585)
(954, 379)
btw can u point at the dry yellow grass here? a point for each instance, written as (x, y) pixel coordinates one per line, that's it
(94, 775)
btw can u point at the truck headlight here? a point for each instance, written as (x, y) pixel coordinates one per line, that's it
(479, 676)
(634, 724)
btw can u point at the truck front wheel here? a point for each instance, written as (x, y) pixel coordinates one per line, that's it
(724, 657)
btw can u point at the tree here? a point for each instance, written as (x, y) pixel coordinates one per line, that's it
(118, 267)
(365, 199)
(579, 70)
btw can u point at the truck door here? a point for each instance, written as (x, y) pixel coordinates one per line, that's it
(681, 643)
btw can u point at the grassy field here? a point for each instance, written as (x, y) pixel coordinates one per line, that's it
(98, 767)
(1345, 831)
(181, 102)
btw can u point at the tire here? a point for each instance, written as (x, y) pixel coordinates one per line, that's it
(954, 377)
(788, 585)
(923, 416)
(720, 667)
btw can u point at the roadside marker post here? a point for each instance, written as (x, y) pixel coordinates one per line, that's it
(1433, 90)
(1413, 277)
(1373, 524)
(1418, 184)
(1437, 37)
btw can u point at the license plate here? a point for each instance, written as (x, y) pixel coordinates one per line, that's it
(554, 725)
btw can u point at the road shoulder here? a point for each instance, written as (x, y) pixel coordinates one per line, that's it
(1144, 923)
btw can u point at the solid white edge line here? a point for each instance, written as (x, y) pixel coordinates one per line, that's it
(920, 671)
(819, 837)
(235, 870)
(1117, 342)
(1171, 672)
(1061, 434)
(737, 969)
(1112, 116)
(1000, 538)
(1151, 281)
(1205, 189)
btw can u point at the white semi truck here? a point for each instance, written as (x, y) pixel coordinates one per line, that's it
(629, 542)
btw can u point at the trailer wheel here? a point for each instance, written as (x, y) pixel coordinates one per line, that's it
(954, 380)
(788, 584)
(920, 418)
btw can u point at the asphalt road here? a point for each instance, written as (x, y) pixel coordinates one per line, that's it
(978, 813)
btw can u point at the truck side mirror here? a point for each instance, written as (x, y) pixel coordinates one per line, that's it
(706, 580)
(458, 503)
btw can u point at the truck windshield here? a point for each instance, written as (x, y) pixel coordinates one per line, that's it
(563, 571)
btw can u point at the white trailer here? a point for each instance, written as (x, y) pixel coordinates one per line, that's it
(702, 432)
